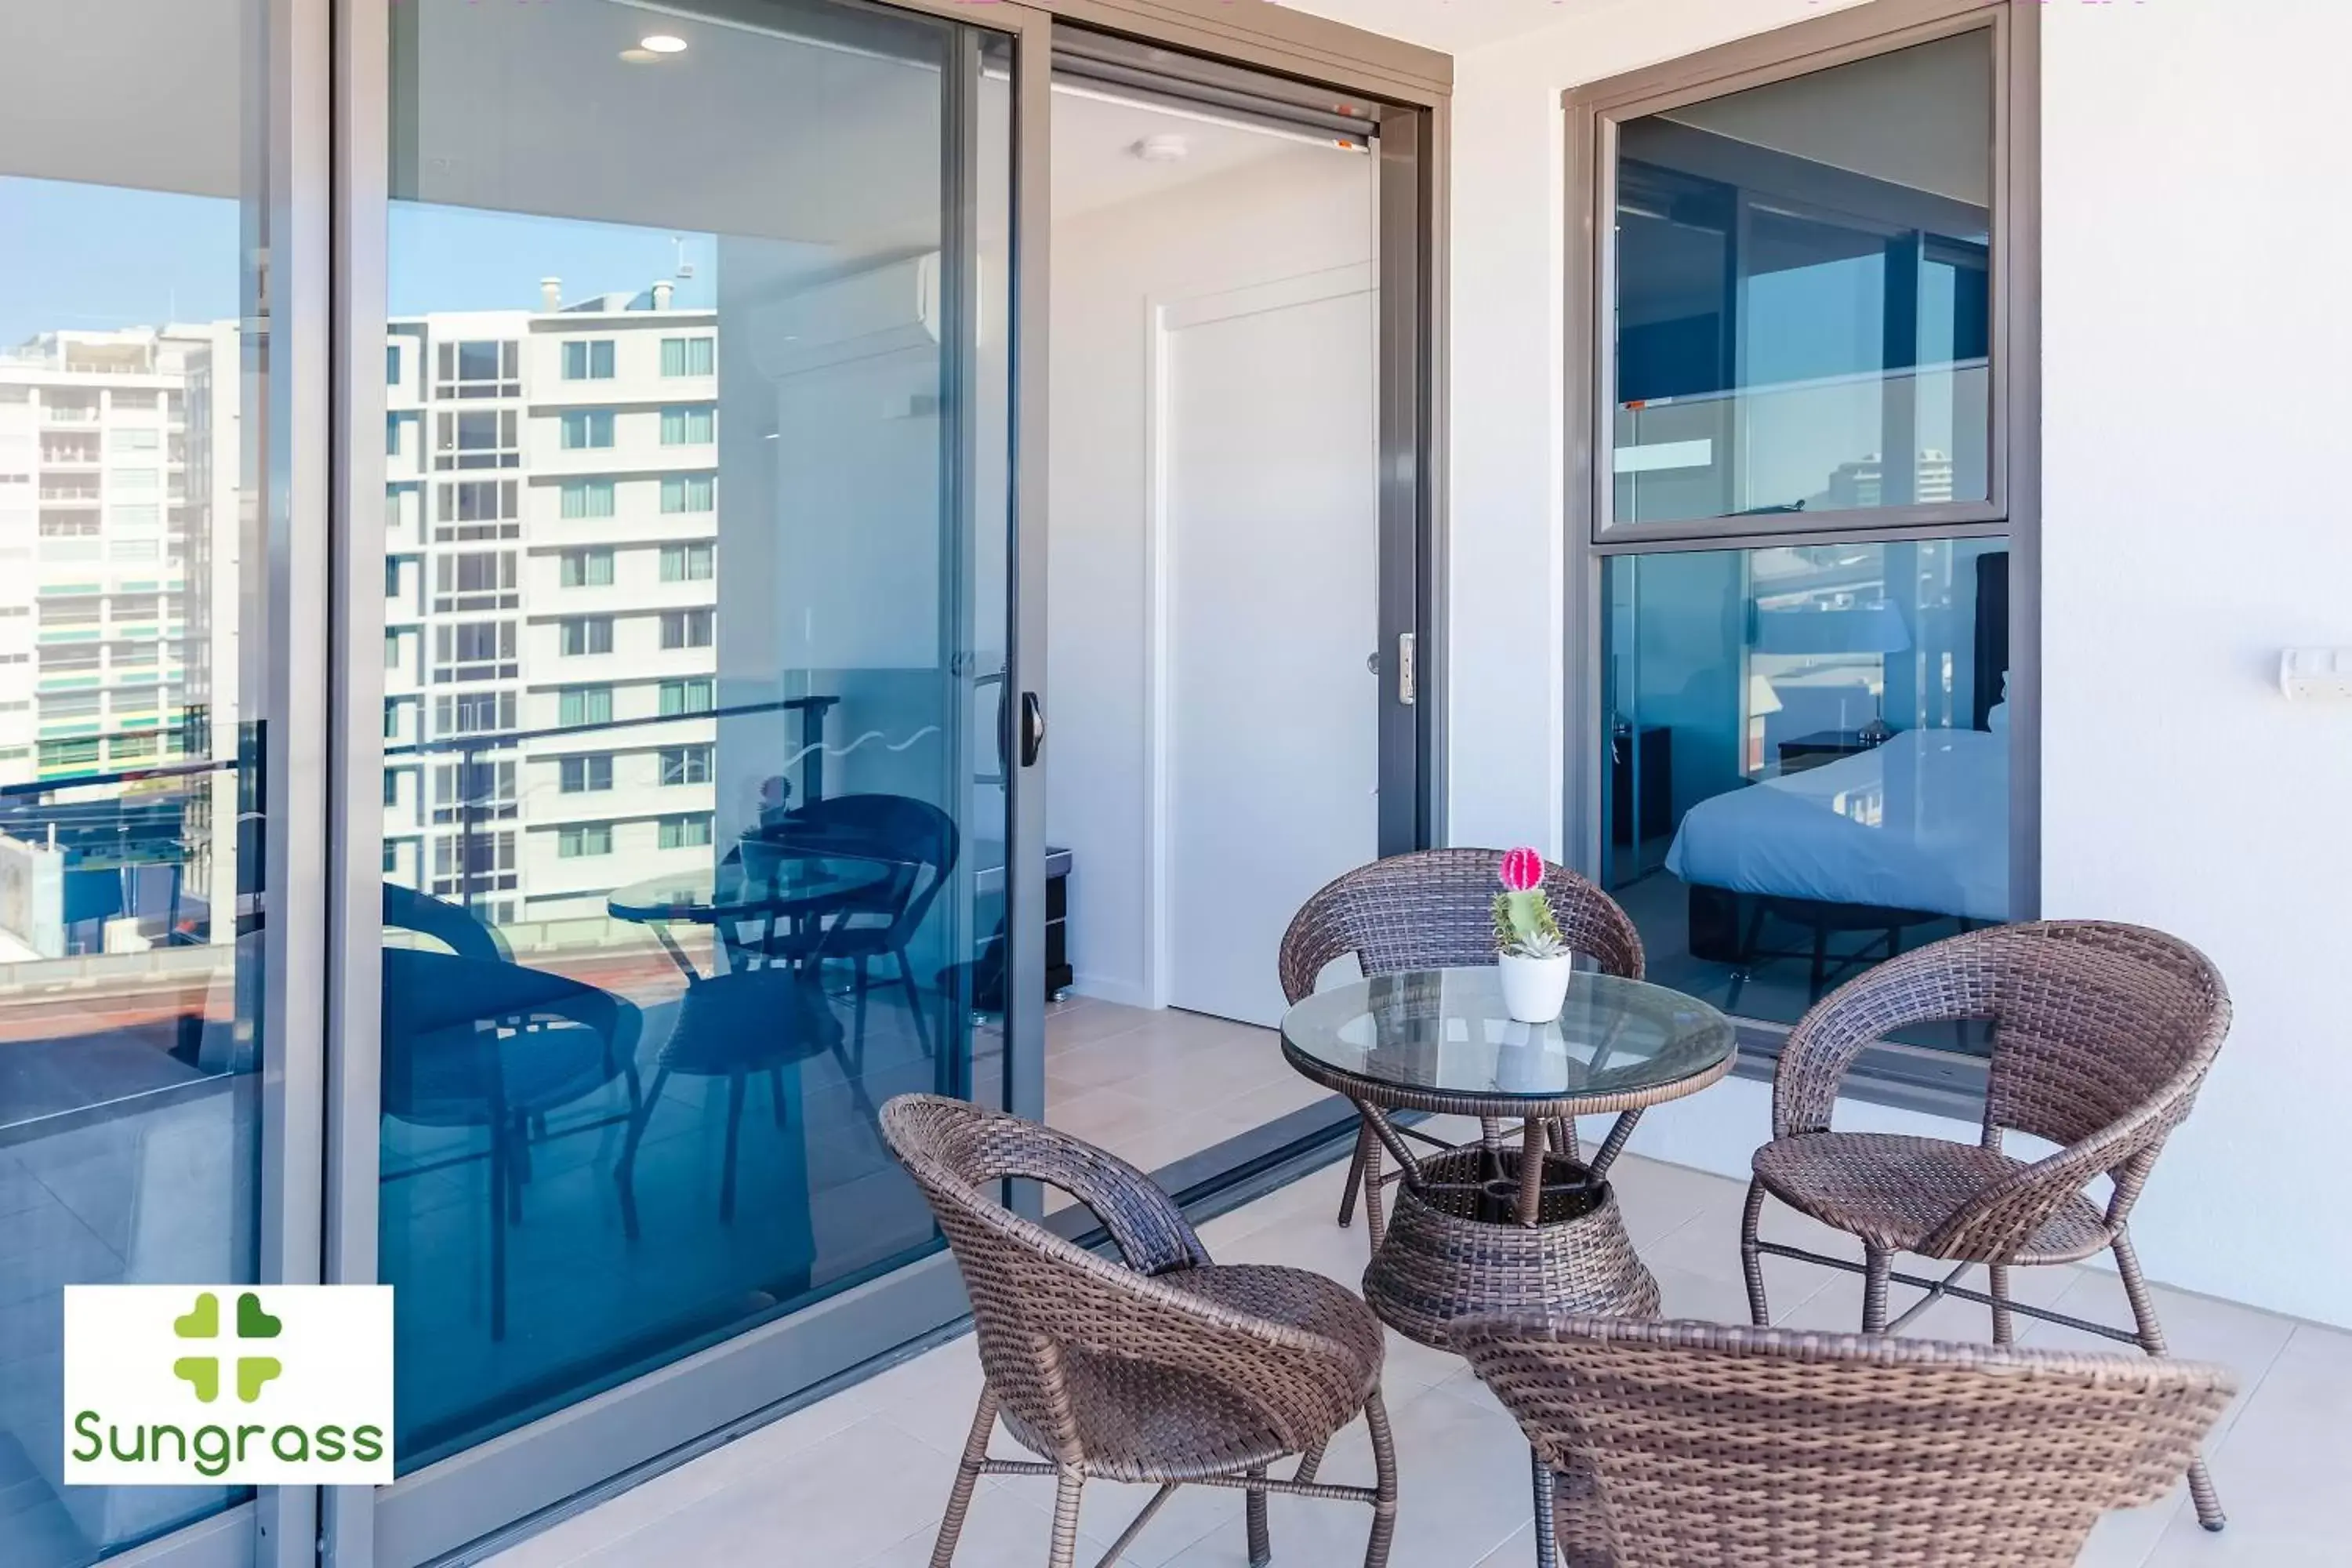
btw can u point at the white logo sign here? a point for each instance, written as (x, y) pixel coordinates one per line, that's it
(228, 1385)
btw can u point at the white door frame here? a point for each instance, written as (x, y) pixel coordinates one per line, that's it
(1164, 317)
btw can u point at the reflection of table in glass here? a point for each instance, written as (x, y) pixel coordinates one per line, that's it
(782, 894)
(1489, 1227)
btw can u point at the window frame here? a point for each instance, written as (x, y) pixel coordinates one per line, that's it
(1914, 1076)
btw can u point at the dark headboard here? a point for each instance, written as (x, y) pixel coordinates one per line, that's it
(1991, 634)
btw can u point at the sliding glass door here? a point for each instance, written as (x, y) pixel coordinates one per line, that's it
(699, 739)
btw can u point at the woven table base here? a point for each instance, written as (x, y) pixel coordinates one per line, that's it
(1451, 1250)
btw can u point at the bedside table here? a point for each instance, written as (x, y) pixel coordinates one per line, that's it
(1812, 750)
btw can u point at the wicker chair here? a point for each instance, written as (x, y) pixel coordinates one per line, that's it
(1170, 1369)
(1434, 910)
(1689, 1445)
(2101, 1036)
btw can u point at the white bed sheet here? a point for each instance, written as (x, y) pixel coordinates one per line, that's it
(1920, 823)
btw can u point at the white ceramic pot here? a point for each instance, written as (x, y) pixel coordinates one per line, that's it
(1534, 988)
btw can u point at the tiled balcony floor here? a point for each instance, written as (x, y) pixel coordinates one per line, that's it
(859, 1480)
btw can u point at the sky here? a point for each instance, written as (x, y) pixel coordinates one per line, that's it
(104, 256)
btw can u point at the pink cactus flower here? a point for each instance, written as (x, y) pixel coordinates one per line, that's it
(1523, 869)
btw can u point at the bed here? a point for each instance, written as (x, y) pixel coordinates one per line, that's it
(1918, 824)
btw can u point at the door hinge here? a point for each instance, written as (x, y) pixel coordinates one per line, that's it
(1407, 681)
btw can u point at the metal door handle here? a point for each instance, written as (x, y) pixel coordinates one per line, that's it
(1033, 728)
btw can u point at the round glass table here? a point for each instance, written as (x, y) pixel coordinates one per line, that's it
(1490, 1227)
(786, 891)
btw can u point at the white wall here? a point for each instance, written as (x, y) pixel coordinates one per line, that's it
(1302, 209)
(2192, 386)
(2194, 154)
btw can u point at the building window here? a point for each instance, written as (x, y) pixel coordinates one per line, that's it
(587, 568)
(391, 423)
(685, 628)
(685, 697)
(476, 439)
(391, 364)
(587, 634)
(685, 562)
(688, 427)
(588, 359)
(584, 839)
(686, 356)
(68, 755)
(580, 705)
(586, 429)
(479, 509)
(587, 498)
(585, 776)
(391, 577)
(474, 713)
(392, 718)
(684, 832)
(686, 492)
(475, 580)
(391, 854)
(686, 764)
(478, 369)
(477, 790)
(132, 438)
(467, 865)
(391, 787)
(1803, 737)
(474, 650)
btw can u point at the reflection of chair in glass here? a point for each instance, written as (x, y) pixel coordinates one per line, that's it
(472, 1039)
(730, 1026)
(1434, 910)
(1684, 1443)
(2101, 1036)
(1155, 1365)
(917, 841)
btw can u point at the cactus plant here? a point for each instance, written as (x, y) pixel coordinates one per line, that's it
(1524, 927)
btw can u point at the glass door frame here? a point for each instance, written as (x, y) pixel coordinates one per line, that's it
(584, 1445)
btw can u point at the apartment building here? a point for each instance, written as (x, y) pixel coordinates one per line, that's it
(550, 599)
(119, 560)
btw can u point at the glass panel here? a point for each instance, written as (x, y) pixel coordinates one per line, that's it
(1807, 760)
(1804, 288)
(132, 636)
(633, 1113)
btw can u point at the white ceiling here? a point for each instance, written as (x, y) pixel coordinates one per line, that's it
(1094, 161)
(1456, 26)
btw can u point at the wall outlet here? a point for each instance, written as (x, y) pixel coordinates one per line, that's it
(2316, 674)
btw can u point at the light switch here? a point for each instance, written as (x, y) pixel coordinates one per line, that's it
(2316, 674)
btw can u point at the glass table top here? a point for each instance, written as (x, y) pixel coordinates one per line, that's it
(730, 891)
(1446, 1031)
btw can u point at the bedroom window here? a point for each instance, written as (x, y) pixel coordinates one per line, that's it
(1794, 718)
(1807, 759)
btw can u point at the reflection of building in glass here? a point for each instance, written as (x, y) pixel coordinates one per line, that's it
(1863, 483)
(118, 632)
(550, 594)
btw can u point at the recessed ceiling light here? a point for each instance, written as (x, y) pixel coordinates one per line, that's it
(639, 57)
(663, 43)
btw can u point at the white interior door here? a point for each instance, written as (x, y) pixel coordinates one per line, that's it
(1270, 544)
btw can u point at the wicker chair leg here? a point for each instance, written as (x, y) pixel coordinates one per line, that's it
(1877, 1266)
(1364, 1136)
(2151, 1338)
(1376, 1221)
(1261, 1547)
(1309, 1463)
(1384, 1483)
(1760, 1310)
(975, 1449)
(2004, 1322)
(1067, 1485)
(1547, 1545)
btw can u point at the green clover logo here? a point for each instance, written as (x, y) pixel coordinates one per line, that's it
(203, 1321)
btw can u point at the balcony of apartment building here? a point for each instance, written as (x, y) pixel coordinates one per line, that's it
(937, 976)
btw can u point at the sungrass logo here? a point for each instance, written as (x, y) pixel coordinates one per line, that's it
(269, 1385)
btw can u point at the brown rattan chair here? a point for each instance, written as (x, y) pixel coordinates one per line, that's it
(1688, 1445)
(2101, 1036)
(1434, 908)
(1166, 1368)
